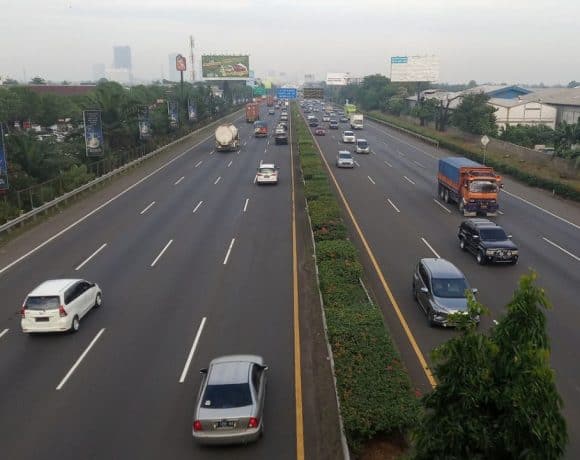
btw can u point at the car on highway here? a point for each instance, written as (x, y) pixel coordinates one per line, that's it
(284, 117)
(230, 403)
(333, 124)
(267, 174)
(344, 159)
(281, 134)
(343, 119)
(487, 241)
(320, 131)
(348, 137)
(362, 146)
(312, 122)
(59, 305)
(440, 288)
(271, 111)
(326, 117)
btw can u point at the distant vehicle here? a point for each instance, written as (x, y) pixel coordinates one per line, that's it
(356, 121)
(271, 111)
(284, 117)
(320, 131)
(270, 101)
(227, 138)
(473, 186)
(325, 117)
(59, 305)
(343, 119)
(439, 288)
(267, 174)
(260, 129)
(252, 112)
(333, 124)
(362, 146)
(230, 403)
(281, 134)
(348, 137)
(487, 241)
(349, 109)
(344, 159)
(313, 122)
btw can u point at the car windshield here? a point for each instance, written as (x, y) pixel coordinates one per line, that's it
(450, 288)
(227, 396)
(480, 186)
(348, 133)
(344, 156)
(493, 234)
(362, 144)
(43, 303)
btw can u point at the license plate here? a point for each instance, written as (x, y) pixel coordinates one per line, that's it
(226, 424)
(42, 319)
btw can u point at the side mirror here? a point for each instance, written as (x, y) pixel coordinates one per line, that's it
(424, 290)
(265, 368)
(475, 237)
(203, 371)
(509, 236)
(474, 290)
(500, 185)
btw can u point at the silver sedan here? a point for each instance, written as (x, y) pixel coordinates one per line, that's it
(231, 398)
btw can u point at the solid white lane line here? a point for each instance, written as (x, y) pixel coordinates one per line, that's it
(356, 163)
(393, 205)
(561, 248)
(372, 181)
(197, 207)
(418, 164)
(3, 333)
(161, 253)
(178, 181)
(81, 357)
(229, 251)
(147, 208)
(388, 164)
(217, 180)
(91, 256)
(246, 204)
(430, 247)
(192, 351)
(230, 163)
(541, 209)
(198, 163)
(444, 207)
(409, 180)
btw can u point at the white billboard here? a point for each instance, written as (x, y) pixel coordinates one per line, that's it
(337, 79)
(414, 68)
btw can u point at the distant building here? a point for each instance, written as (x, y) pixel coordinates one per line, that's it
(122, 76)
(122, 57)
(98, 71)
(309, 77)
(565, 100)
(173, 74)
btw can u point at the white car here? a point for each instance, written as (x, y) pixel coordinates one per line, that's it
(267, 174)
(362, 146)
(59, 305)
(344, 159)
(326, 117)
(348, 137)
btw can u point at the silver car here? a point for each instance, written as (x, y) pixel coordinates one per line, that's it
(344, 159)
(230, 403)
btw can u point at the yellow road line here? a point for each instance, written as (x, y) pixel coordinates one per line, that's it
(297, 354)
(379, 272)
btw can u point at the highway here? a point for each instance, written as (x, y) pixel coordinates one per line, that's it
(196, 250)
(392, 195)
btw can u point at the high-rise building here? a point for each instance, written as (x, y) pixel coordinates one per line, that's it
(173, 74)
(98, 71)
(122, 57)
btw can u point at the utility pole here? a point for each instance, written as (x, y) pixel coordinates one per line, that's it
(191, 61)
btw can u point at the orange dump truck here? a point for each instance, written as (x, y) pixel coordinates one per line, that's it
(474, 187)
(252, 112)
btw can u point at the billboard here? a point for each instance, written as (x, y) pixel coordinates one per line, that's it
(173, 113)
(94, 140)
(313, 93)
(180, 63)
(222, 67)
(337, 79)
(144, 122)
(286, 93)
(3, 164)
(191, 110)
(414, 68)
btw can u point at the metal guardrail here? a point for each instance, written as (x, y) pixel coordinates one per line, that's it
(62, 198)
(408, 131)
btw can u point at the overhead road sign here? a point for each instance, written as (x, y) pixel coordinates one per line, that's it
(286, 93)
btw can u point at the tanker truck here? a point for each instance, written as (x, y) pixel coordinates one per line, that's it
(227, 138)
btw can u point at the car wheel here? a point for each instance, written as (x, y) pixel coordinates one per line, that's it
(461, 206)
(98, 300)
(446, 196)
(440, 191)
(75, 325)
(462, 244)
(480, 257)
(514, 262)
(431, 318)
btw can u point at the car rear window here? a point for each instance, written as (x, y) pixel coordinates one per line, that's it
(450, 288)
(266, 170)
(43, 303)
(227, 396)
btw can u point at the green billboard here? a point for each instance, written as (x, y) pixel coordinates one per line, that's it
(222, 67)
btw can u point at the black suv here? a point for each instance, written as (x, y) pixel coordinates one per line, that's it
(487, 241)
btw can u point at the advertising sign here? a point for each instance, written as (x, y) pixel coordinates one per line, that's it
(144, 122)
(3, 164)
(180, 63)
(191, 110)
(221, 67)
(173, 113)
(337, 79)
(414, 68)
(94, 140)
(259, 90)
(286, 93)
(313, 93)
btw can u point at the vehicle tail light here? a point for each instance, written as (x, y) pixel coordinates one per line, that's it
(62, 312)
(253, 423)
(197, 426)
(23, 311)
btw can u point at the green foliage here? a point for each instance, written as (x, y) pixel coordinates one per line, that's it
(496, 396)
(426, 110)
(528, 136)
(565, 136)
(474, 115)
(336, 250)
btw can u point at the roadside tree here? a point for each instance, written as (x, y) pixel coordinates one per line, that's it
(474, 115)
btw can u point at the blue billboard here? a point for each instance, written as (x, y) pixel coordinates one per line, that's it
(94, 140)
(286, 93)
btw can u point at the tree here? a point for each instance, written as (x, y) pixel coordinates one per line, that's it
(474, 115)
(496, 397)
(565, 136)
(573, 84)
(426, 110)
(528, 136)
(38, 81)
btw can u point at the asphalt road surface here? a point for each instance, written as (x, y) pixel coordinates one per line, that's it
(392, 193)
(197, 248)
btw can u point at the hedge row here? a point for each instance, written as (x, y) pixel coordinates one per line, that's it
(373, 386)
(559, 188)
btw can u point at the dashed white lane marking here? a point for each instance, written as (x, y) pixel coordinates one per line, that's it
(212, 152)
(246, 204)
(147, 208)
(400, 153)
(178, 181)
(408, 180)
(3, 333)
(372, 181)
(198, 163)
(356, 163)
(217, 180)
(430, 247)
(197, 207)
(192, 351)
(161, 253)
(444, 207)
(230, 163)
(501, 213)
(418, 164)
(229, 251)
(565, 251)
(78, 362)
(388, 164)
(103, 246)
(393, 205)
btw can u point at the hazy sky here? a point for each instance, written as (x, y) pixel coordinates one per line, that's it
(525, 41)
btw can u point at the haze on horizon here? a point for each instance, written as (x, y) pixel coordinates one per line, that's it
(515, 42)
